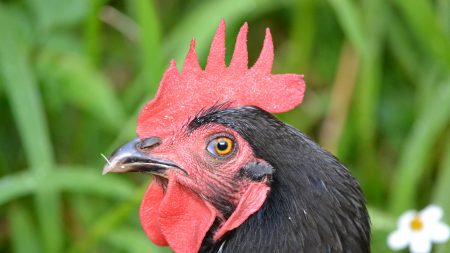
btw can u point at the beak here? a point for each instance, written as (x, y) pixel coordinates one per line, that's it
(130, 158)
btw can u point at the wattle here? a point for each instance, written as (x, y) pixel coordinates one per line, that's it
(176, 217)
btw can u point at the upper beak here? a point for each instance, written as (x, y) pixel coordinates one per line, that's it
(130, 158)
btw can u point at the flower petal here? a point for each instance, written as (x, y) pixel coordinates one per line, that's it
(439, 232)
(405, 219)
(431, 214)
(420, 243)
(399, 239)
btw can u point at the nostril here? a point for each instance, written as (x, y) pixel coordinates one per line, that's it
(149, 142)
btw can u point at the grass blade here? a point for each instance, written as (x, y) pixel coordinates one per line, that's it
(402, 48)
(70, 179)
(87, 180)
(16, 185)
(72, 77)
(107, 223)
(441, 190)
(24, 97)
(443, 11)
(351, 22)
(92, 32)
(23, 234)
(150, 36)
(381, 221)
(430, 123)
(132, 241)
(303, 36)
(22, 92)
(150, 44)
(423, 21)
(54, 13)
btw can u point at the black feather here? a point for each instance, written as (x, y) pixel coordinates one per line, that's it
(314, 205)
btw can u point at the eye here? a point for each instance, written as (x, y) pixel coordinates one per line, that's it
(221, 146)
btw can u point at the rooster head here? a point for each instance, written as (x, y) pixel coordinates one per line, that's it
(207, 179)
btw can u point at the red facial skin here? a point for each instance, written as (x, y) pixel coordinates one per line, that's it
(189, 152)
(167, 217)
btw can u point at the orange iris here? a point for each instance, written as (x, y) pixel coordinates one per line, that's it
(223, 146)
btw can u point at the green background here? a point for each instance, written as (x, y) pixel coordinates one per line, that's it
(74, 75)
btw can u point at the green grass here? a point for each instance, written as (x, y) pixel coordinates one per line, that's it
(74, 76)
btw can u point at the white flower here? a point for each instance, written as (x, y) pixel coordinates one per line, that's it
(419, 230)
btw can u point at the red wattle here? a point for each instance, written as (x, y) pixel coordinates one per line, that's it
(178, 217)
(149, 213)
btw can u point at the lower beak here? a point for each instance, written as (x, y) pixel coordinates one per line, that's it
(130, 158)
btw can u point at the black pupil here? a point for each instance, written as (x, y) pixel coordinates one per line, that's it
(222, 145)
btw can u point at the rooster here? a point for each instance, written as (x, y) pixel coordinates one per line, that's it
(228, 176)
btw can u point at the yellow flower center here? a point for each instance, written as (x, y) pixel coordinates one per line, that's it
(416, 223)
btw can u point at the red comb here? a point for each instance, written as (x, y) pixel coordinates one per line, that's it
(182, 95)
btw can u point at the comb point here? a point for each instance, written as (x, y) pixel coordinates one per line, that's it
(265, 60)
(173, 65)
(216, 57)
(191, 64)
(239, 61)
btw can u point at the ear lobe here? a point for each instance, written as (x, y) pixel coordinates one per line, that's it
(250, 202)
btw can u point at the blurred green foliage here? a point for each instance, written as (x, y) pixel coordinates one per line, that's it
(74, 75)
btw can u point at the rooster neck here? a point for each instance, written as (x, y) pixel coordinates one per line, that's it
(306, 213)
(314, 204)
(291, 224)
